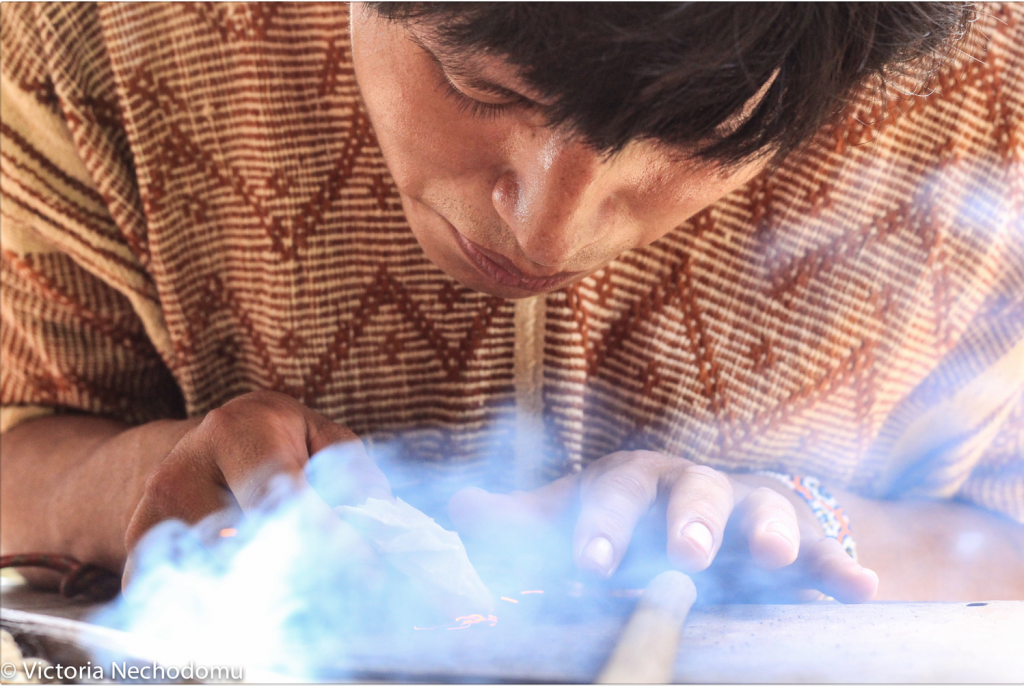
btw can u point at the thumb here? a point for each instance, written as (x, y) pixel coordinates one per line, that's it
(475, 511)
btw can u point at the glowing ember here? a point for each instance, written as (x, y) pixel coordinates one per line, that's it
(228, 533)
(470, 620)
(462, 622)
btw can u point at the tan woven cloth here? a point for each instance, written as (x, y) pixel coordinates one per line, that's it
(195, 206)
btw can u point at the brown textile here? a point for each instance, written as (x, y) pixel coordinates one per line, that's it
(195, 206)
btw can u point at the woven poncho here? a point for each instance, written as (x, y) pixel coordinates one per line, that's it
(195, 206)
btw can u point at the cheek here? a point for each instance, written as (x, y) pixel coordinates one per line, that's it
(425, 140)
(674, 192)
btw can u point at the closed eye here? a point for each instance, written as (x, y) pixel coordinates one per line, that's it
(504, 99)
(477, 108)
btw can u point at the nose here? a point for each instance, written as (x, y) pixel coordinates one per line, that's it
(550, 197)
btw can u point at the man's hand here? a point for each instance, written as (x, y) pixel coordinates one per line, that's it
(760, 537)
(245, 454)
(91, 487)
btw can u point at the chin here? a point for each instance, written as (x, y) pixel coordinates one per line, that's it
(468, 276)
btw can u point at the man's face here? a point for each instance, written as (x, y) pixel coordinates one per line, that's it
(499, 201)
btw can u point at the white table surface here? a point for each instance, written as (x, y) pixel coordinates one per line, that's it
(811, 643)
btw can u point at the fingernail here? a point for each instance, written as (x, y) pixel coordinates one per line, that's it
(700, 536)
(600, 552)
(779, 529)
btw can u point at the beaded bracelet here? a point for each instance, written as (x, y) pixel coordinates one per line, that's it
(833, 520)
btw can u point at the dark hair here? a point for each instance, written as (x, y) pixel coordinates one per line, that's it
(676, 72)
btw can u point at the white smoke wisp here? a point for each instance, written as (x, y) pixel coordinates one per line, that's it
(280, 591)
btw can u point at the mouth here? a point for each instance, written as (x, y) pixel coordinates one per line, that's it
(501, 269)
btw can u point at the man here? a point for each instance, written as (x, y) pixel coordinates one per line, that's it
(687, 242)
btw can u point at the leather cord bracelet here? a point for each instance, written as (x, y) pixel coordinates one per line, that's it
(77, 578)
(824, 506)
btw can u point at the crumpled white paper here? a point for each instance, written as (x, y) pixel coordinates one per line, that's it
(423, 550)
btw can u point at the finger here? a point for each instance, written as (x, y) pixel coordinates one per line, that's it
(322, 432)
(476, 512)
(171, 543)
(832, 571)
(257, 449)
(521, 535)
(698, 510)
(263, 461)
(239, 454)
(343, 474)
(769, 524)
(611, 504)
(175, 491)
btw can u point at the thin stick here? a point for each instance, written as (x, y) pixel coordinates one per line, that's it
(646, 651)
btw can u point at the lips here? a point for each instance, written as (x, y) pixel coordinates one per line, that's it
(501, 269)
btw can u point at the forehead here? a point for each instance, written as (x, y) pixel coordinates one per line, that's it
(481, 68)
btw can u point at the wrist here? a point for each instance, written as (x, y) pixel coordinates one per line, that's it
(105, 485)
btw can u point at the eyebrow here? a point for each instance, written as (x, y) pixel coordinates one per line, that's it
(471, 78)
